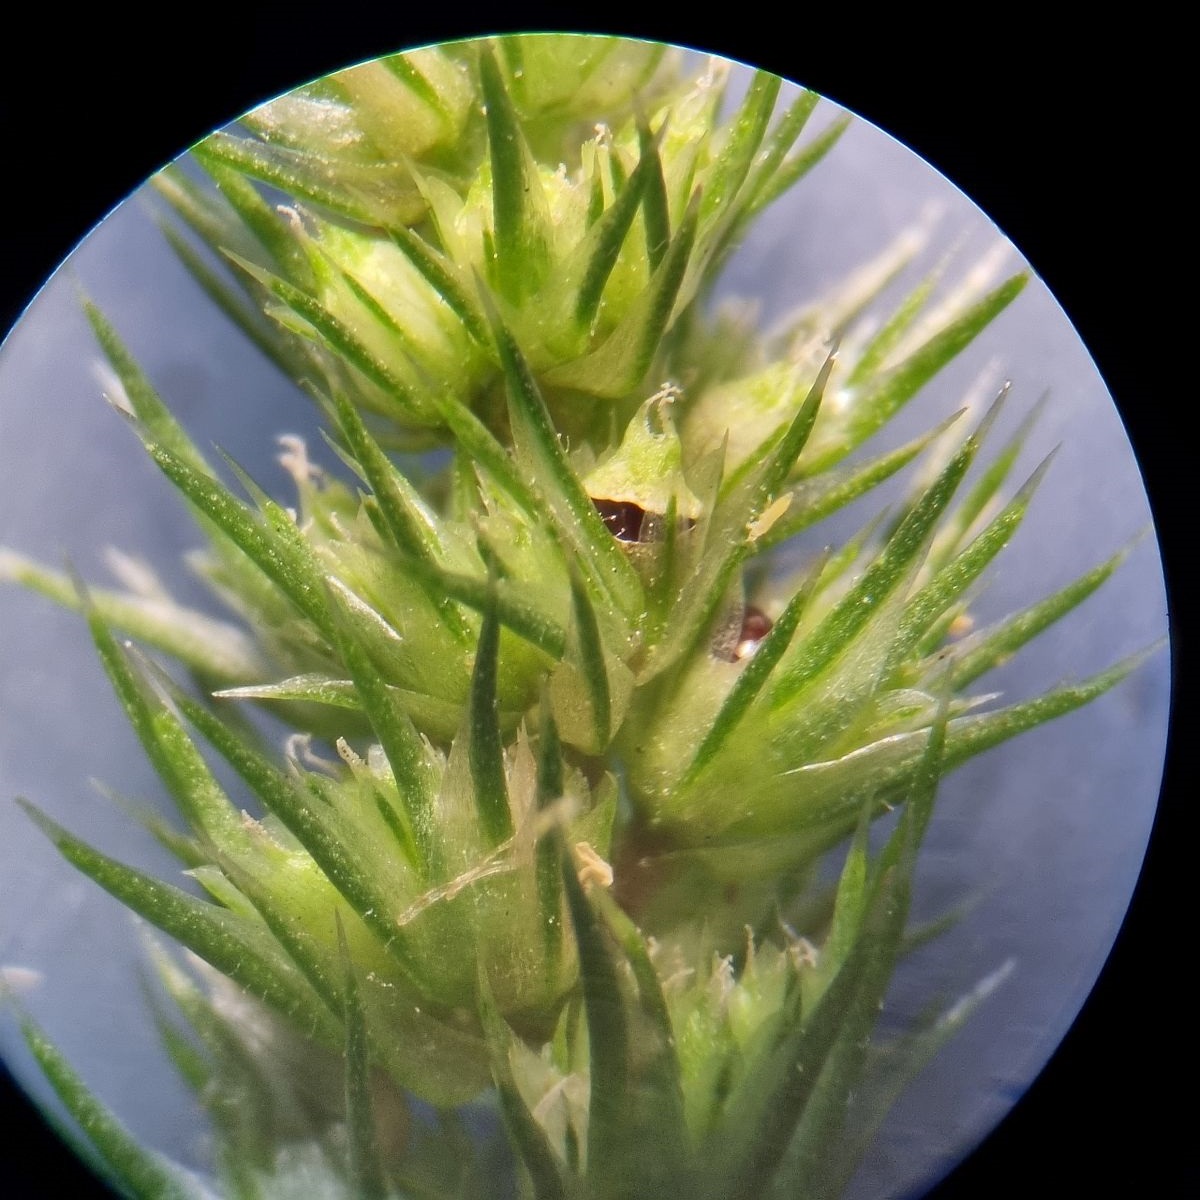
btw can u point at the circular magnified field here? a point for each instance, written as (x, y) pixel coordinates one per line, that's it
(1027, 868)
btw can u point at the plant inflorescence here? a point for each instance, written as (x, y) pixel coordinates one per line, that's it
(566, 751)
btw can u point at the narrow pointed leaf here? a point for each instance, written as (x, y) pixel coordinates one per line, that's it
(781, 461)
(152, 414)
(189, 1061)
(485, 750)
(442, 275)
(366, 1170)
(894, 1068)
(884, 574)
(817, 497)
(618, 366)
(479, 446)
(209, 216)
(984, 491)
(378, 312)
(749, 683)
(528, 622)
(663, 591)
(261, 219)
(292, 172)
(402, 745)
(973, 734)
(215, 649)
(797, 166)
(138, 1171)
(200, 798)
(246, 1125)
(730, 535)
(656, 217)
(285, 560)
(550, 785)
(660, 1083)
(875, 409)
(875, 352)
(591, 657)
(778, 142)
(520, 217)
(539, 1160)
(850, 900)
(953, 579)
(405, 517)
(743, 136)
(608, 1027)
(982, 651)
(271, 341)
(405, 69)
(821, 1122)
(243, 951)
(607, 236)
(410, 522)
(294, 936)
(305, 689)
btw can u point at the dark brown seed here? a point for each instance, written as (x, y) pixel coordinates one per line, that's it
(623, 518)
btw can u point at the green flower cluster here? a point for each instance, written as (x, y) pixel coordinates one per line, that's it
(565, 754)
